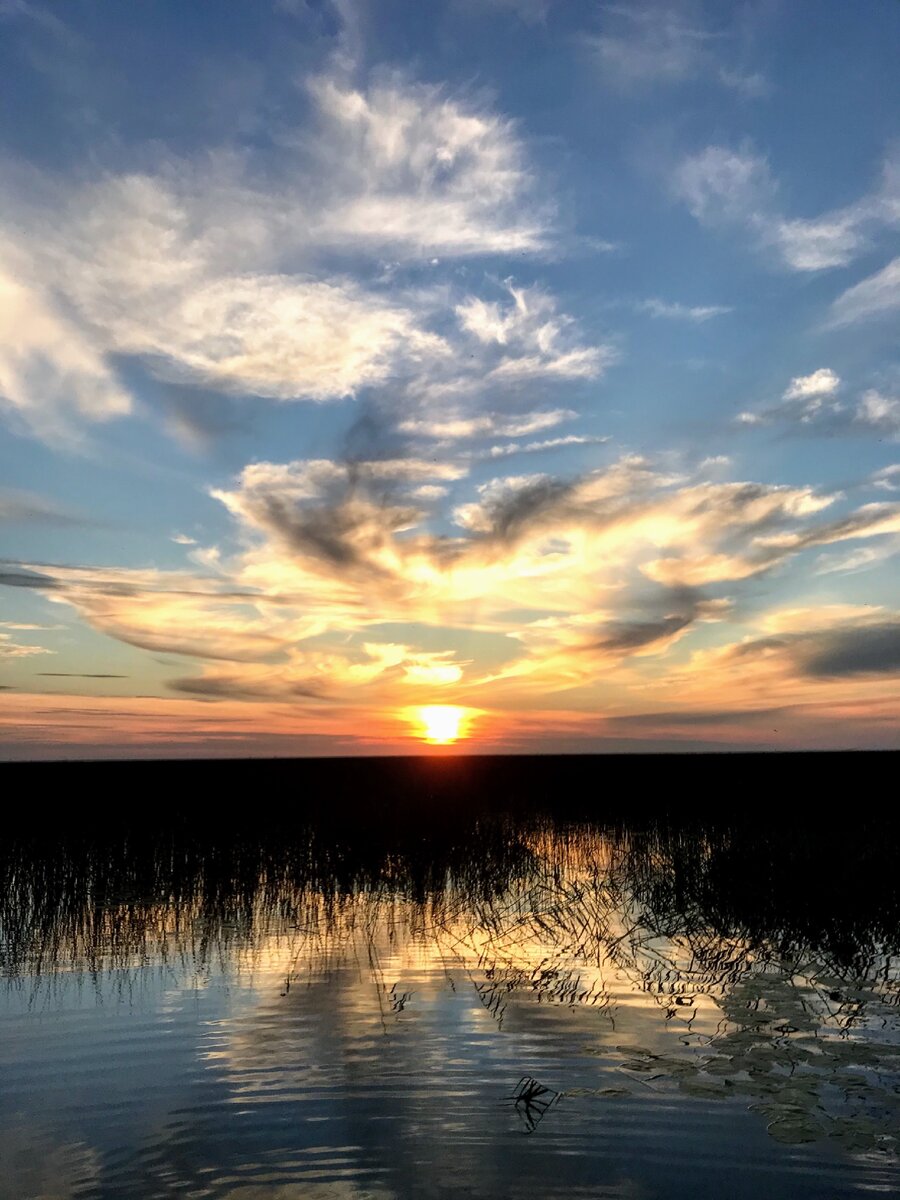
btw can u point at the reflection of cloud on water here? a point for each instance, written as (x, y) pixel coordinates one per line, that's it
(381, 1016)
(37, 1166)
(813, 1050)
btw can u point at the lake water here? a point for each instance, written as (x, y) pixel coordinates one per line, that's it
(435, 980)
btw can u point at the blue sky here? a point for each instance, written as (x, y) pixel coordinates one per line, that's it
(532, 359)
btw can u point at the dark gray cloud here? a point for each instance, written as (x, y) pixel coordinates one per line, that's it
(343, 535)
(632, 635)
(26, 579)
(698, 717)
(229, 688)
(864, 650)
(78, 675)
(512, 513)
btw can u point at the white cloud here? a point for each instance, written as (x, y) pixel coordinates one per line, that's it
(888, 478)
(806, 399)
(816, 245)
(872, 297)
(723, 187)
(52, 376)
(809, 401)
(823, 382)
(410, 167)
(277, 337)
(880, 412)
(213, 274)
(534, 338)
(557, 443)
(11, 649)
(428, 491)
(681, 312)
(486, 424)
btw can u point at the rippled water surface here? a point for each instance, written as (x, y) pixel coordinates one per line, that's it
(420, 984)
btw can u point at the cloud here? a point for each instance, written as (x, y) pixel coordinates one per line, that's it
(654, 45)
(25, 579)
(23, 625)
(11, 649)
(879, 412)
(872, 297)
(681, 312)
(863, 650)
(557, 443)
(807, 398)
(888, 478)
(411, 168)
(724, 187)
(809, 404)
(218, 274)
(27, 508)
(486, 424)
(531, 338)
(52, 374)
(823, 382)
(327, 551)
(501, 359)
(596, 587)
(78, 675)
(836, 642)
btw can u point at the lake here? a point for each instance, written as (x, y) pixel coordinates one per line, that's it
(630, 978)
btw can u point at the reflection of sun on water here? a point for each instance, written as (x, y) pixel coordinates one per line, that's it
(441, 723)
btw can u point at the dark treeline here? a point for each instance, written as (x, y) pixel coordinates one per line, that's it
(774, 850)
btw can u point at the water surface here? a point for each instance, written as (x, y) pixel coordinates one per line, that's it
(448, 980)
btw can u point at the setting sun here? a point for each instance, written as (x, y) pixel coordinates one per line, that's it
(441, 723)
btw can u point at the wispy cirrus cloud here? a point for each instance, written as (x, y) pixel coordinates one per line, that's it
(409, 167)
(531, 338)
(673, 311)
(876, 296)
(653, 45)
(9, 648)
(727, 187)
(486, 424)
(52, 374)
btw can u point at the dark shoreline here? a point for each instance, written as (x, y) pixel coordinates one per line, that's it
(778, 788)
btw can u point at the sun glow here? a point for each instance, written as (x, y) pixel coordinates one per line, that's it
(441, 723)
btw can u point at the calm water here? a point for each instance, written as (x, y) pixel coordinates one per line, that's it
(442, 981)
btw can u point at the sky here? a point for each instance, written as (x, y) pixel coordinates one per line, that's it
(517, 375)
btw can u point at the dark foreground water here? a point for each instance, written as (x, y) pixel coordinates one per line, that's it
(628, 978)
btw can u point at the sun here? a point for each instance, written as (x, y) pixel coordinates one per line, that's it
(441, 723)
